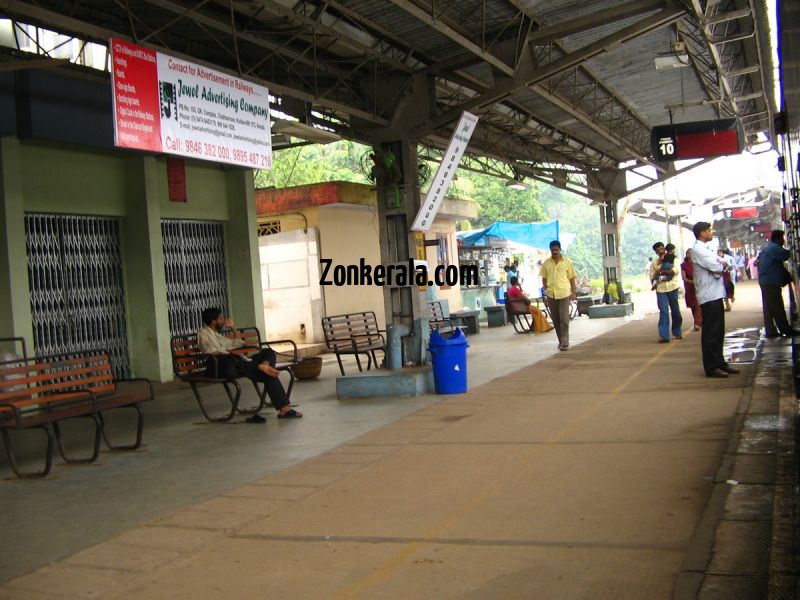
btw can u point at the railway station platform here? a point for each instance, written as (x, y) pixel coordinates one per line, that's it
(614, 470)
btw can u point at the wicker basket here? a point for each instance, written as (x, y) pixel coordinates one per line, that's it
(308, 368)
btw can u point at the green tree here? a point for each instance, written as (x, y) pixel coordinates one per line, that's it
(638, 236)
(339, 161)
(496, 201)
(576, 216)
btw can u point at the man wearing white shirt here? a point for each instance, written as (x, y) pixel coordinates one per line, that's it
(710, 291)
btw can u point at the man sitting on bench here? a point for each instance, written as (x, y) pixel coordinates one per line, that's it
(258, 368)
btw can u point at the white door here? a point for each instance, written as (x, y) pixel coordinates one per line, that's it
(293, 303)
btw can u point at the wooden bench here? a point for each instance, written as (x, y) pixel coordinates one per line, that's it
(356, 334)
(437, 320)
(189, 365)
(41, 392)
(518, 315)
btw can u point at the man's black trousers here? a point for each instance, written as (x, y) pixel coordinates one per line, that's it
(712, 335)
(774, 312)
(233, 365)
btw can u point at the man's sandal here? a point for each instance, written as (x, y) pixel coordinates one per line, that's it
(290, 414)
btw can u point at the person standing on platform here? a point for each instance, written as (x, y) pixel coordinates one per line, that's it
(666, 296)
(558, 281)
(771, 279)
(687, 272)
(728, 278)
(710, 291)
(754, 267)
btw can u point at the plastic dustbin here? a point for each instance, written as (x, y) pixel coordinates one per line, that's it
(449, 358)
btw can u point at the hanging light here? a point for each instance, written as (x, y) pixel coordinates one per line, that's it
(518, 184)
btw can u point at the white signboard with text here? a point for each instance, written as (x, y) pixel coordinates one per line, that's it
(444, 174)
(166, 104)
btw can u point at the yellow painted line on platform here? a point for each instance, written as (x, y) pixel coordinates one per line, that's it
(385, 570)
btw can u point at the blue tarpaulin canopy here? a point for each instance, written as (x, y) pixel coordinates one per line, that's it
(536, 235)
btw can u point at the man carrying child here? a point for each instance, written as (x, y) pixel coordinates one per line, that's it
(666, 285)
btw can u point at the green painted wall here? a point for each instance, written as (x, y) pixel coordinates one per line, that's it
(145, 281)
(244, 262)
(53, 178)
(206, 192)
(15, 303)
(65, 179)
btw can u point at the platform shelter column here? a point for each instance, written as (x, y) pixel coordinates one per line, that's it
(606, 188)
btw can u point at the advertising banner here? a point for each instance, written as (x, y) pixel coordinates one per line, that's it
(444, 174)
(166, 104)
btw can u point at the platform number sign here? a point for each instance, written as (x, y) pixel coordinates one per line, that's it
(697, 139)
(666, 148)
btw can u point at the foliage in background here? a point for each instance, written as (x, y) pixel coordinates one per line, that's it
(342, 161)
(575, 215)
(496, 201)
(339, 161)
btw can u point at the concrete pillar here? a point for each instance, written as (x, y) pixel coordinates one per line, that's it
(606, 187)
(244, 265)
(15, 301)
(397, 179)
(145, 280)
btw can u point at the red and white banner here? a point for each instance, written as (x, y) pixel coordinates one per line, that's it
(166, 104)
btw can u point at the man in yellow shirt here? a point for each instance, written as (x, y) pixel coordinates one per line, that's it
(558, 281)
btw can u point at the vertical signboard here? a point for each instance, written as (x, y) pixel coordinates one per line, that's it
(444, 174)
(166, 104)
(134, 74)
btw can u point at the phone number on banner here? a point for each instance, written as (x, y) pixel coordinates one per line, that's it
(227, 154)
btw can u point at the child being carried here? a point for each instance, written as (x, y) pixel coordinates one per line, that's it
(667, 264)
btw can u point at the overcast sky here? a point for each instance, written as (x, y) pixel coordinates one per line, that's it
(722, 176)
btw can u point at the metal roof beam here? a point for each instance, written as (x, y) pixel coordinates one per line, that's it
(505, 88)
(743, 71)
(590, 122)
(102, 34)
(729, 16)
(710, 51)
(518, 117)
(603, 17)
(445, 29)
(318, 27)
(669, 174)
(170, 6)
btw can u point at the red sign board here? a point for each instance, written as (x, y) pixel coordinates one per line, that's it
(136, 110)
(176, 179)
(748, 212)
(699, 139)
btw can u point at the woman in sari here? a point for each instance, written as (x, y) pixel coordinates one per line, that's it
(540, 322)
(687, 272)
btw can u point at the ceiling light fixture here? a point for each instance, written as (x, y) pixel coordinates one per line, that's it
(516, 184)
(671, 61)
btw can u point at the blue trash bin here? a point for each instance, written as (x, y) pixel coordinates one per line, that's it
(449, 358)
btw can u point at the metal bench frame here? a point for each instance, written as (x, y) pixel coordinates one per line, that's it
(437, 319)
(518, 315)
(356, 334)
(189, 365)
(43, 391)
